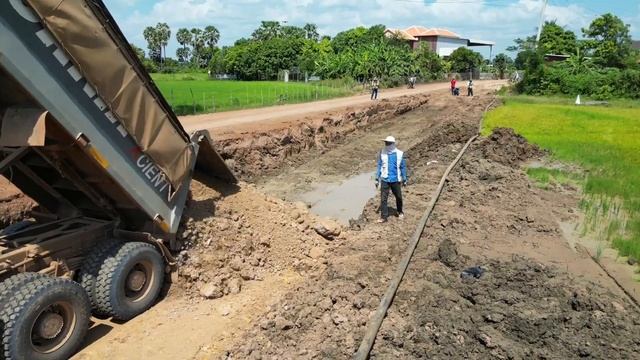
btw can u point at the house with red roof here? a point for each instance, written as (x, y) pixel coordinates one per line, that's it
(442, 41)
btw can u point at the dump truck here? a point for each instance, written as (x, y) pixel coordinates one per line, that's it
(87, 135)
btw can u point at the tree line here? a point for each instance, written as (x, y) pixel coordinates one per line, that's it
(602, 64)
(359, 53)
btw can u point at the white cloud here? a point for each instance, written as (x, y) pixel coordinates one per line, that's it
(238, 18)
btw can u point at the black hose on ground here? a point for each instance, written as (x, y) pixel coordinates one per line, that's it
(381, 312)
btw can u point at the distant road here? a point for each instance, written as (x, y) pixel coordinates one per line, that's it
(260, 118)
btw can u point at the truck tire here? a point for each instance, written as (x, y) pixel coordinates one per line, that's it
(11, 284)
(45, 319)
(7, 288)
(92, 264)
(15, 227)
(129, 282)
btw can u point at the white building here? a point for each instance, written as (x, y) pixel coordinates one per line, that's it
(442, 41)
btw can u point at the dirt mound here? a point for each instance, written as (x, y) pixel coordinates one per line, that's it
(239, 235)
(14, 206)
(508, 148)
(259, 153)
(517, 309)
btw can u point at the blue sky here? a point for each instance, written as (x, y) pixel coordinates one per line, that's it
(495, 20)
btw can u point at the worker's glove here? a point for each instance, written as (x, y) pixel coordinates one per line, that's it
(404, 183)
(377, 184)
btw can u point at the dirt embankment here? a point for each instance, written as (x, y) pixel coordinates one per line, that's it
(243, 235)
(257, 153)
(535, 298)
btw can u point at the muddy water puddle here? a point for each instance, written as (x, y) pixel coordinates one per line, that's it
(342, 201)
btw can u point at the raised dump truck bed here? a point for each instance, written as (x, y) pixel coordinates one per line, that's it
(87, 135)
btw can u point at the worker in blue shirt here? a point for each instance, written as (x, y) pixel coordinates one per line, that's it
(391, 175)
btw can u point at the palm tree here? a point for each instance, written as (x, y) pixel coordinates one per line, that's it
(164, 34)
(197, 43)
(211, 36)
(184, 37)
(153, 44)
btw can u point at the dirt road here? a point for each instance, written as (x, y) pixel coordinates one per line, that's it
(257, 281)
(263, 119)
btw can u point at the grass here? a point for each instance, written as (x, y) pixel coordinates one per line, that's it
(547, 178)
(602, 140)
(193, 93)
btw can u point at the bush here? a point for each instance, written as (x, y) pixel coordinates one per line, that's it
(393, 81)
(601, 84)
(149, 65)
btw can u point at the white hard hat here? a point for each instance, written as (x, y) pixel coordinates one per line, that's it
(390, 139)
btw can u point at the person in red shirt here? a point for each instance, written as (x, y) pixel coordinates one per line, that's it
(453, 85)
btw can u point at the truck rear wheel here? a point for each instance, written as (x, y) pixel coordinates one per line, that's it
(8, 287)
(92, 264)
(13, 283)
(45, 319)
(129, 282)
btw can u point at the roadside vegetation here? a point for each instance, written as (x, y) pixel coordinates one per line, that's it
(602, 64)
(546, 178)
(603, 141)
(328, 66)
(359, 53)
(192, 93)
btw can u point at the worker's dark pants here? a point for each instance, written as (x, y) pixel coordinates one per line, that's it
(470, 92)
(396, 188)
(374, 94)
(453, 91)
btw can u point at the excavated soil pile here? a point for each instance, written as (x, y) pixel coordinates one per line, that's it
(508, 148)
(262, 152)
(239, 235)
(517, 309)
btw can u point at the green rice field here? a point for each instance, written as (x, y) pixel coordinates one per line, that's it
(604, 141)
(194, 93)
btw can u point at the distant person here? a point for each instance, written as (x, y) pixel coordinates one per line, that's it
(375, 84)
(470, 87)
(453, 85)
(412, 82)
(391, 175)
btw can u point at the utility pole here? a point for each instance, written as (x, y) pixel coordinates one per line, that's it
(544, 7)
